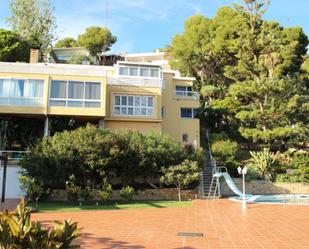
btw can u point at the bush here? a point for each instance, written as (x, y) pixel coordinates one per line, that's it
(17, 231)
(106, 192)
(31, 187)
(300, 172)
(127, 193)
(87, 193)
(71, 189)
(224, 150)
(92, 154)
(264, 163)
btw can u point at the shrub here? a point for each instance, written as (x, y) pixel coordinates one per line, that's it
(127, 193)
(87, 193)
(17, 231)
(92, 154)
(31, 187)
(72, 190)
(224, 150)
(264, 163)
(106, 192)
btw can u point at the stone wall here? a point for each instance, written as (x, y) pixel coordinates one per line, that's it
(257, 187)
(148, 194)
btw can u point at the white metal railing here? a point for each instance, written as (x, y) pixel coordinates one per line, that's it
(14, 156)
(187, 94)
(126, 81)
(81, 101)
(21, 101)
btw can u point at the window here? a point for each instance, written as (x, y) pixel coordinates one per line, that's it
(162, 112)
(139, 71)
(154, 72)
(184, 91)
(22, 92)
(185, 138)
(123, 71)
(133, 71)
(144, 72)
(75, 94)
(189, 112)
(133, 105)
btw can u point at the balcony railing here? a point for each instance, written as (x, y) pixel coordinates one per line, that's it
(134, 81)
(187, 94)
(21, 101)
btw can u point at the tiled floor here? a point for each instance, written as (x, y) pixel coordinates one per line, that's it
(9, 204)
(223, 223)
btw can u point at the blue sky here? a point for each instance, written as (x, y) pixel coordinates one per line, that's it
(143, 25)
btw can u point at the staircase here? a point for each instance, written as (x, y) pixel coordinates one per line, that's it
(208, 189)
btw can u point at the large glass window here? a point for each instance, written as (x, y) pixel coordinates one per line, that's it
(21, 92)
(75, 94)
(139, 71)
(188, 112)
(129, 105)
(185, 91)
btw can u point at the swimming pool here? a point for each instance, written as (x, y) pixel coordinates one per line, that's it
(291, 199)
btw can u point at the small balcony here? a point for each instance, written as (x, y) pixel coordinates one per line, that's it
(134, 81)
(187, 94)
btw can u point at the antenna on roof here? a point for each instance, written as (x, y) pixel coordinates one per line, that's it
(106, 12)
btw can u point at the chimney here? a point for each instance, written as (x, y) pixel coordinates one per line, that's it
(34, 55)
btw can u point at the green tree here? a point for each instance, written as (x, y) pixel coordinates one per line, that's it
(181, 175)
(249, 74)
(80, 59)
(96, 40)
(67, 42)
(34, 21)
(12, 47)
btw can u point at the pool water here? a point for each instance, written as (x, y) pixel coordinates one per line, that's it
(297, 199)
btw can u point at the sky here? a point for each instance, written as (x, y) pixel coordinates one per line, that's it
(144, 25)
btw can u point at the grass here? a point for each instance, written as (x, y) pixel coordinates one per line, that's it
(111, 205)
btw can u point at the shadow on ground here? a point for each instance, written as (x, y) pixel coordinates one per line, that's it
(88, 240)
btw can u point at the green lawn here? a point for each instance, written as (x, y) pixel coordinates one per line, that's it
(67, 206)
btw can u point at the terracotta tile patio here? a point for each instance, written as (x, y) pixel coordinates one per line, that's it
(223, 223)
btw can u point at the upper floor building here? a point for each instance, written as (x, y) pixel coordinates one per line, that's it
(134, 93)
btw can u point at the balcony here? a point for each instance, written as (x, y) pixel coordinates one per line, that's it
(134, 81)
(21, 101)
(187, 94)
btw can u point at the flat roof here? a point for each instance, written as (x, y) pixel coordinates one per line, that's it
(51, 68)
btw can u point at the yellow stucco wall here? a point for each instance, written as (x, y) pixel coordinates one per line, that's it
(141, 125)
(172, 123)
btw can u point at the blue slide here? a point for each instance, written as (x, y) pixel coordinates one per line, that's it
(233, 186)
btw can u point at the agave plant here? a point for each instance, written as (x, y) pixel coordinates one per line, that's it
(263, 163)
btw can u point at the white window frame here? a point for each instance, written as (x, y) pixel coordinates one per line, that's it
(139, 67)
(185, 93)
(127, 106)
(39, 99)
(192, 112)
(83, 100)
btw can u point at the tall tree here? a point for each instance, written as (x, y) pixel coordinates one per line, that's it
(248, 71)
(34, 21)
(12, 47)
(97, 40)
(67, 42)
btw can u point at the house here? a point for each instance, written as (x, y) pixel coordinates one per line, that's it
(140, 93)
